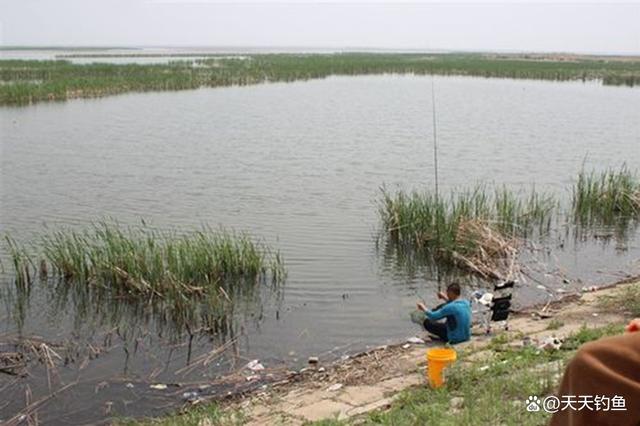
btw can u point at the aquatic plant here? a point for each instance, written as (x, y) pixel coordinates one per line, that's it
(21, 262)
(190, 275)
(475, 229)
(608, 197)
(149, 262)
(422, 220)
(24, 82)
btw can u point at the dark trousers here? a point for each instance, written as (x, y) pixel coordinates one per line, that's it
(436, 328)
(440, 328)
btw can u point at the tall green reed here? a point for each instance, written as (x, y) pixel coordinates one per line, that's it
(421, 220)
(607, 197)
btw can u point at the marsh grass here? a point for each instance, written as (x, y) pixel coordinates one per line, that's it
(151, 262)
(22, 263)
(178, 271)
(454, 223)
(474, 227)
(25, 82)
(606, 198)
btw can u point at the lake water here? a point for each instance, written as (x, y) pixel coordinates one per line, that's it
(299, 164)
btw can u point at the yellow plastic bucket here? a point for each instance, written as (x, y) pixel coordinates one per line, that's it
(437, 360)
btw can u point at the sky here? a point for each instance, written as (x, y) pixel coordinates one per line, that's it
(473, 26)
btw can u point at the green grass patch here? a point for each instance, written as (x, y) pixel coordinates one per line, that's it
(627, 300)
(555, 324)
(200, 415)
(586, 334)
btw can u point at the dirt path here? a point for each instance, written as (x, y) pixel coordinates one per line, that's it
(371, 380)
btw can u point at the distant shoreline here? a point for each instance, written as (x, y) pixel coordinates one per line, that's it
(212, 50)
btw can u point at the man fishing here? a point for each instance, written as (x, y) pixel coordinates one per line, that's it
(457, 314)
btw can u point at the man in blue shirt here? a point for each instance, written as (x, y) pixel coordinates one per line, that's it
(457, 314)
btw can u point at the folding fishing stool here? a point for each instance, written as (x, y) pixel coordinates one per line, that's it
(496, 307)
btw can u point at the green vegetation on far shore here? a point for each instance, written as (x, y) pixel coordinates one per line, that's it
(29, 81)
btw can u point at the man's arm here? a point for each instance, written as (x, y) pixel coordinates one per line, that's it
(439, 313)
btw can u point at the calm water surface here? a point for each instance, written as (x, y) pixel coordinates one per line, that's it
(300, 165)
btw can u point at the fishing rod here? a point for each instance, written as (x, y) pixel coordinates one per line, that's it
(435, 172)
(437, 187)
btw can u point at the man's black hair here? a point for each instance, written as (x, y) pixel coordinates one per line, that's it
(454, 288)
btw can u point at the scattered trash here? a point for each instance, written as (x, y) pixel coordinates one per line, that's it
(314, 360)
(335, 387)
(158, 386)
(190, 396)
(406, 346)
(550, 343)
(566, 281)
(484, 368)
(129, 385)
(561, 290)
(589, 289)
(252, 378)
(483, 297)
(595, 314)
(255, 365)
(101, 386)
(541, 287)
(456, 403)
(544, 315)
(322, 369)
(415, 340)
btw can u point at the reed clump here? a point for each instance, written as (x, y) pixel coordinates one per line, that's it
(425, 221)
(475, 229)
(606, 198)
(145, 263)
(22, 263)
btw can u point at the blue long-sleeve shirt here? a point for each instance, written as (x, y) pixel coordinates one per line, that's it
(458, 315)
